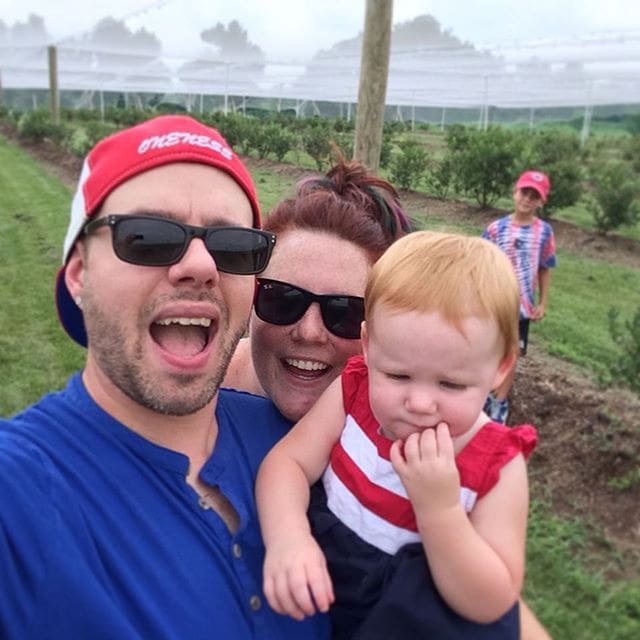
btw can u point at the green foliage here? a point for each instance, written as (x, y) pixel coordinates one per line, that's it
(10, 115)
(84, 137)
(78, 142)
(340, 125)
(79, 115)
(170, 107)
(408, 166)
(440, 177)
(393, 127)
(631, 152)
(614, 201)
(280, 140)
(457, 137)
(271, 139)
(626, 336)
(566, 185)
(386, 150)
(316, 142)
(633, 124)
(483, 162)
(345, 143)
(126, 116)
(38, 125)
(235, 128)
(252, 139)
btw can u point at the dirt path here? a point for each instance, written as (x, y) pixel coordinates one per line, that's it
(589, 437)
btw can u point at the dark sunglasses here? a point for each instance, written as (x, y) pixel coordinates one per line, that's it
(159, 242)
(282, 303)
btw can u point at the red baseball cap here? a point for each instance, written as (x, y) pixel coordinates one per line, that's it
(127, 153)
(535, 180)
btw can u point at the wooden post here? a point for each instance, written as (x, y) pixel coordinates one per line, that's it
(374, 69)
(53, 83)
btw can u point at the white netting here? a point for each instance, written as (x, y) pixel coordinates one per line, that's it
(599, 69)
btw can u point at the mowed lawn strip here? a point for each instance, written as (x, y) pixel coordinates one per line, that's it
(35, 354)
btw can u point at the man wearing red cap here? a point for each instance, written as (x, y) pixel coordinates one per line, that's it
(127, 507)
(530, 244)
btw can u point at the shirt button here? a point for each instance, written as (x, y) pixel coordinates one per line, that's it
(255, 603)
(236, 549)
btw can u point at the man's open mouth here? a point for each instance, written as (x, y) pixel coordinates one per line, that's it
(182, 336)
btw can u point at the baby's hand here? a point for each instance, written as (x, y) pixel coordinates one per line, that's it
(426, 465)
(296, 580)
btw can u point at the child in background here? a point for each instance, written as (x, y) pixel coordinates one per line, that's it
(422, 508)
(530, 245)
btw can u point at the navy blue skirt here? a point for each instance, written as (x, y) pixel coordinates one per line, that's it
(387, 597)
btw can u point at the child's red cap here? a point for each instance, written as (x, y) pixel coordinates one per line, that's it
(535, 180)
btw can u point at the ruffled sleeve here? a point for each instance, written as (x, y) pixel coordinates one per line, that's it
(491, 449)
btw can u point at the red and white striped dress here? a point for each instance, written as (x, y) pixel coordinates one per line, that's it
(366, 494)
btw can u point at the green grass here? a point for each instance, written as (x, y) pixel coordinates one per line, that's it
(271, 188)
(35, 354)
(582, 291)
(567, 591)
(566, 585)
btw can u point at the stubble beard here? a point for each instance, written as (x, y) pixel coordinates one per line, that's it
(124, 365)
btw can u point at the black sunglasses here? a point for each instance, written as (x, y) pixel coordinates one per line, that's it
(282, 303)
(159, 242)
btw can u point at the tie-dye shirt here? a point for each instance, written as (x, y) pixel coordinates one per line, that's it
(530, 248)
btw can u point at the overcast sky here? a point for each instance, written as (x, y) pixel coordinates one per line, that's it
(296, 29)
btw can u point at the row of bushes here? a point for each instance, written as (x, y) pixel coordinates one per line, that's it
(483, 165)
(478, 164)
